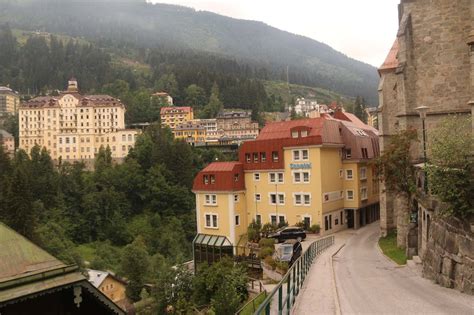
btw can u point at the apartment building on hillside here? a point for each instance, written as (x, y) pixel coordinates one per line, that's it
(315, 171)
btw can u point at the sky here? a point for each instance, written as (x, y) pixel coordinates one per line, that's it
(362, 29)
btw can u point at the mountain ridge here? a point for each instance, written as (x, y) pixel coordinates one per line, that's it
(147, 25)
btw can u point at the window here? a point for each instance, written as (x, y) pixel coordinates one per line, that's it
(256, 177)
(276, 177)
(258, 219)
(365, 153)
(247, 157)
(236, 198)
(258, 197)
(296, 155)
(236, 177)
(349, 194)
(206, 179)
(294, 134)
(302, 199)
(304, 133)
(348, 153)
(363, 193)
(263, 156)
(299, 177)
(273, 219)
(279, 197)
(349, 175)
(212, 178)
(341, 173)
(237, 220)
(363, 173)
(211, 200)
(281, 219)
(275, 156)
(304, 155)
(255, 157)
(211, 220)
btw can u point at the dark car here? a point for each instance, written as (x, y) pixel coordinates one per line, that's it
(288, 233)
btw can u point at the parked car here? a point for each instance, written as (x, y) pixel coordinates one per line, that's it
(288, 233)
(289, 251)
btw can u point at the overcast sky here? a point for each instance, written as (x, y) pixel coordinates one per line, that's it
(362, 29)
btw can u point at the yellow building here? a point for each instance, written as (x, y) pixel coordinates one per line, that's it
(173, 116)
(192, 131)
(9, 101)
(73, 127)
(110, 285)
(315, 171)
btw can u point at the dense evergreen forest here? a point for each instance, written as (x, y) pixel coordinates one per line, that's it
(118, 217)
(45, 63)
(134, 25)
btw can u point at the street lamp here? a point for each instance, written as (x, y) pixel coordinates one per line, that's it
(422, 112)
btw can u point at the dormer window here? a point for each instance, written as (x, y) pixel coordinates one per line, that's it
(263, 156)
(304, 133)
(213, 178)
(294, 134)
(206, 179)
(275, 156)
(348, 153)
(236, 177)
(247, 157)
(255, 157)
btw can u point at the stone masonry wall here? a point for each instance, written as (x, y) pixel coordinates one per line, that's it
(449, 255)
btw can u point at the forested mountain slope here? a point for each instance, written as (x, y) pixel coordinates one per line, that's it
(137, 24)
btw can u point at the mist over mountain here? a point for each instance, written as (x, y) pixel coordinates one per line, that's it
(141, 25)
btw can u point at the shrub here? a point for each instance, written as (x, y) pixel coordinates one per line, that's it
(269, 261)
(301, 224)
(266, 242)
(315, 228)
(253, 231)
(268, 228)
(265, 252)
(282, 265)
(282, 224)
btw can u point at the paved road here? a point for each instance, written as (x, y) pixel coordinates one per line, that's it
(368, 283)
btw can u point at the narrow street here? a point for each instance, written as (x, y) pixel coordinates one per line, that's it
(368, 283)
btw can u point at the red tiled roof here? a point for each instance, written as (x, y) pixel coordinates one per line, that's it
(170, 108)
(391, 62)
(353, 119)
(220, 167)
(282, 129)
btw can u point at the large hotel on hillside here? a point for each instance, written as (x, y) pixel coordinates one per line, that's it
(315, 171)
(73, 127)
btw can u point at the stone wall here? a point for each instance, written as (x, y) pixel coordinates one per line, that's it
(449, 255)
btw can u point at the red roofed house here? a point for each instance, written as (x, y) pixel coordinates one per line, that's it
(315, 171)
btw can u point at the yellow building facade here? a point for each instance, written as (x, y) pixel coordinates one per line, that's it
(193, 132)
(9, 101)
(315, 171)
(73, 127)
(173, 116)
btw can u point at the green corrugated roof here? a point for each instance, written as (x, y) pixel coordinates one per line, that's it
(20, 258)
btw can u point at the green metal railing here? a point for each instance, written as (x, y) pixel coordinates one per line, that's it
(293, 280)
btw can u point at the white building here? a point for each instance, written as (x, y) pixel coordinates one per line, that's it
(73, 127)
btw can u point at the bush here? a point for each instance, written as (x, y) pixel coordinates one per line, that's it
(315, 228)
(265, 252)
(266, 242)
(282, 224)
(301, 224)
(253, 231)
(282, 265)
(269, 261)
(268, 228)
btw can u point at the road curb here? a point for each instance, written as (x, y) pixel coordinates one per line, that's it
(334, 286)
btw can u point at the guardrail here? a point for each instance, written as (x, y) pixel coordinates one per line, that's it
(251, 306)
(293, 279)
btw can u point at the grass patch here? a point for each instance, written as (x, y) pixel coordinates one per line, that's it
(87, 251)
(253, 304)
(389, 247)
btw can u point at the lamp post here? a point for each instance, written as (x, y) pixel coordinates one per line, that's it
(422, 112)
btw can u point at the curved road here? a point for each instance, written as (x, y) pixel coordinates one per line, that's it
(368, 283)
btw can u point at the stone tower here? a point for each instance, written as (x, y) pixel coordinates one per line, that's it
(430, 64)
